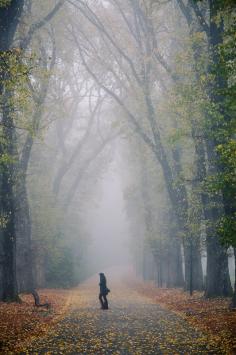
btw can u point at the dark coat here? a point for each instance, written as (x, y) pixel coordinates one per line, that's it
(103, 285)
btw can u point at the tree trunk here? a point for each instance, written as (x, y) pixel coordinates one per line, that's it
(25, 276)
(218, 280)
(175, 277)
(191, 244)
(193, 265)
(24, 260)
(217, 260)
(9, 18)
(234, 295)
(8, 211)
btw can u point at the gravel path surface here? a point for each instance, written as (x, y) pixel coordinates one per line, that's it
(133, 325)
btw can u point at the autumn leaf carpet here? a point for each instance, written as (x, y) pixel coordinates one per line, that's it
(134, 324)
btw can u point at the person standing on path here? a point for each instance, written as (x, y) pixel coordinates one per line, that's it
(103, 291)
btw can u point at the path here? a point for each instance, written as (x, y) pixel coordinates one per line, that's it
(133, 325)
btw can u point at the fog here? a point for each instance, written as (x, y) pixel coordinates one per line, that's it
(117, 176)
(107, 223)
(115, 147)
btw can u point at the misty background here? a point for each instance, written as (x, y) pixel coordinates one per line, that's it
(107, 222)
(117, 143)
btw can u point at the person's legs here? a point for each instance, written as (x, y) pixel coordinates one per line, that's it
(105, 302)
(101, 300)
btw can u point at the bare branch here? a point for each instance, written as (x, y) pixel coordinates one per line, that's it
(84, 168)
(92, 18)
(36, 26)
(129, 114)
(80, 145)
(186, 12)
(200, 17)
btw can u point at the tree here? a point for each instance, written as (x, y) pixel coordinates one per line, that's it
(11, 10)
(217, 259)
(14, 74)
(134, 73)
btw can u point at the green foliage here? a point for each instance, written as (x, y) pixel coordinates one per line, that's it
(227, 230)
(3, 221)
(15, 70)
(222, 124)
(12, 69)
(63, 242)
(5, 3)
(60, 268)
(199, 101)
